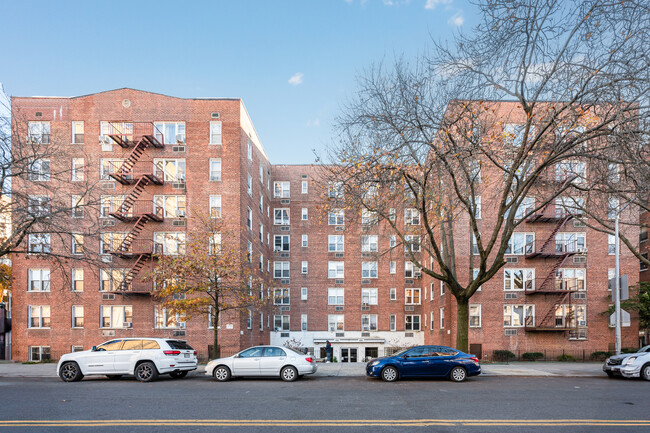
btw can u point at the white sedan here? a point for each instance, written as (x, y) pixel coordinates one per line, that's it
(276, 361)
(145, 358)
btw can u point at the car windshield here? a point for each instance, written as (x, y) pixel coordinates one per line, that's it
(179, 345)
(644, 349)
(401, 352)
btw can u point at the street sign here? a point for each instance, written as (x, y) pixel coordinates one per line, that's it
(625, 289)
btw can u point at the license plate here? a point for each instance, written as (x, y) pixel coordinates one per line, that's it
(187, 355)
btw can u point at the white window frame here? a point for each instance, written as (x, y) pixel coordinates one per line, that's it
(281, 269)
(368, 322)
(38, 280)
(304, 214)
(412, 296)
(282, 189)
(77, 279)
(215, 169)
(43, 315)
(336, 296)
(216, 135)
(75, 132)
(335, 269)
(215, 206)
(305, 267)
(305, 241)
(282, 296)
(526, 247)
(281, 216)
(369, 296)
(475, 312)
(414, 325)
(284, 243)
(284, 322)
(304, 293)
(336, 243)
(411, 216)
(527, 311)
(336, 322)
(369, 269)
(369, 243)
(336, 217)
(512, 275)
(305, 187)
(160, 132)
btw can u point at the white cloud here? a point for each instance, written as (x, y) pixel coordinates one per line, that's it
(431, 4)
(296, 79)
(456, 20)
(313, 123)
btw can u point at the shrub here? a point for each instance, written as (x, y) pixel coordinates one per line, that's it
(628, 350)
(504, 355)
(599, 356)
(532, 356)
(566, 358)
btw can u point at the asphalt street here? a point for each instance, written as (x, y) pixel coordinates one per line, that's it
(325, 404)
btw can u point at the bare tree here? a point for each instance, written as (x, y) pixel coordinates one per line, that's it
(435, 140)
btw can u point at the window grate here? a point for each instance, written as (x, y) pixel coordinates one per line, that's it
(365, 281)
(511, 295)
(285, 201)
(339, 308)
(285, 228)
(512, 259)
(409, 308)
(510, 332)
(408, 334)
(339, 281)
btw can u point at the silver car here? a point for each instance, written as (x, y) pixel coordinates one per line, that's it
(629, 364)
(270, 361)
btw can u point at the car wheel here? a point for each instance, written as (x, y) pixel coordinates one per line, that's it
(458, 374)
(178, 374)
(221, 373)
(389, 374)
(70, 372)
(289, 374)
(146, 372)
(645, 372)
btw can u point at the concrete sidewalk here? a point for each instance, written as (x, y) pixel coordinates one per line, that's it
(540, 369)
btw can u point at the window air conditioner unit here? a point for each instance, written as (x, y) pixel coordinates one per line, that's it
(180, 138)
(582, 250)
(417, 274)
(215, 115)
(285, 201)
(108, 296)
(105, 139)
(511, 296)
(180, 214)
(128, 324)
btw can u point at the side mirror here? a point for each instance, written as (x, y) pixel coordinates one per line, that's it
(235, 356)
(94, 349)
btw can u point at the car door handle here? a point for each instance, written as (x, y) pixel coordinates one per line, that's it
(256, 359)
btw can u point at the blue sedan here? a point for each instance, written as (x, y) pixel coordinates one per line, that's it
(422, 361)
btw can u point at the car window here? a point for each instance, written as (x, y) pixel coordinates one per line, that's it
(110, 345)
(437, 351)
(179, 345)
(274, 351)
(644, 349)
(450, 352)
(132, 345)
(252, 352)
(150, 344)
(418, 352)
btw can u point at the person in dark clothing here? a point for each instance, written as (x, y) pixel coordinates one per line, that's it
(328, 350)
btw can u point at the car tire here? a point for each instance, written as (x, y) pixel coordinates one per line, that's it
(113, 376)
(146, 372)
(289, 374)
(70, 372)
(221, 373)
(178, 374)
(645, 372)
(389, 374)
(458, 374)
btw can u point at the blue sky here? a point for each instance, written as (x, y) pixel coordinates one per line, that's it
(293, 62)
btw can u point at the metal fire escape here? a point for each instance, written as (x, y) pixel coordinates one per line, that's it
(133, 210)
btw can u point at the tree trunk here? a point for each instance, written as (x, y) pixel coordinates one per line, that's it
(462, 324)
(216, 350)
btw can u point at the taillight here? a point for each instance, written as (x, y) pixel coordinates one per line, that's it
(309, 359)
(195, 353)
(172, 352)
(475, 359)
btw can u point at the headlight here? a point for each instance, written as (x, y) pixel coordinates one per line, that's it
(630, 360)
(375, 362)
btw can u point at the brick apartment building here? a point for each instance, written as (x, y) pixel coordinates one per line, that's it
(335, 281)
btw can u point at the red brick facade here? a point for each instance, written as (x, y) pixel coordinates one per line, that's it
(350, 341)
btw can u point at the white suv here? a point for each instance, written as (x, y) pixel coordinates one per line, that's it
(145, 358)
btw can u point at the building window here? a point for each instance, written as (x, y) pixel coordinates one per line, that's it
(280, 269)
(335, 190)
(282, 189)
(215, 133)
(393, 322)
(215, 169)
(570, 242)
(249, 252)
(570, 279)
(567, 169)
(38, 280)
(171, 243)
(335, 243)
(368, 217)
(169, 132)
(526, 207)
(477, 207)
(474, 316)
(431, 318)
(111, 204)
(215, 206)
(411, 296)
(305, 240)
(281, 323)
(39, 316)
(250, 150)
(117, 316)
(412, 241)
(107, 166)
(164, 319)
(442, 288)
(369, 243)
(368, 322)
(335, 269)
(611, 244)
(77, 316)
(393, 241)
(336, 217)
(412, 323)
(249, 219)
(77, 133)
(77, 169)
(412, 216)
(303, 322)
(570, 316)
(642, 265)
(368, 269)
(281, 217)
(39, 353)
(304, 267)
(474, 277)
(249, 185)
(303, 294)
(38, 132)
(335, 296)
(111, 280)
(516, 316)
(262, 175)
(214, 244)
(77, 243)
(39, 206)
(77, 280)
(519, 279)
(281, 243)
(514, 134)
(442, 318)
(336, 322)
(565, 206)
(521, 243)
(261, 321)
(410, 270)
(39, 243)
(305, 187)
(393, 294)
(369, 296)
(393, 267)
(173, 170)
(304, 214)
(39, 170)
(111, 242)
(77, 206)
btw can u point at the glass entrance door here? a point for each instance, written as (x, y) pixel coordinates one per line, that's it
(349, 354)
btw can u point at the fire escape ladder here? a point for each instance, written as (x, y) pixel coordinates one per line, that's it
(551, 275)
(559, 226)
(134, 156)
(133, 234)
(551, 312)
(134, 194)
(135, 269)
